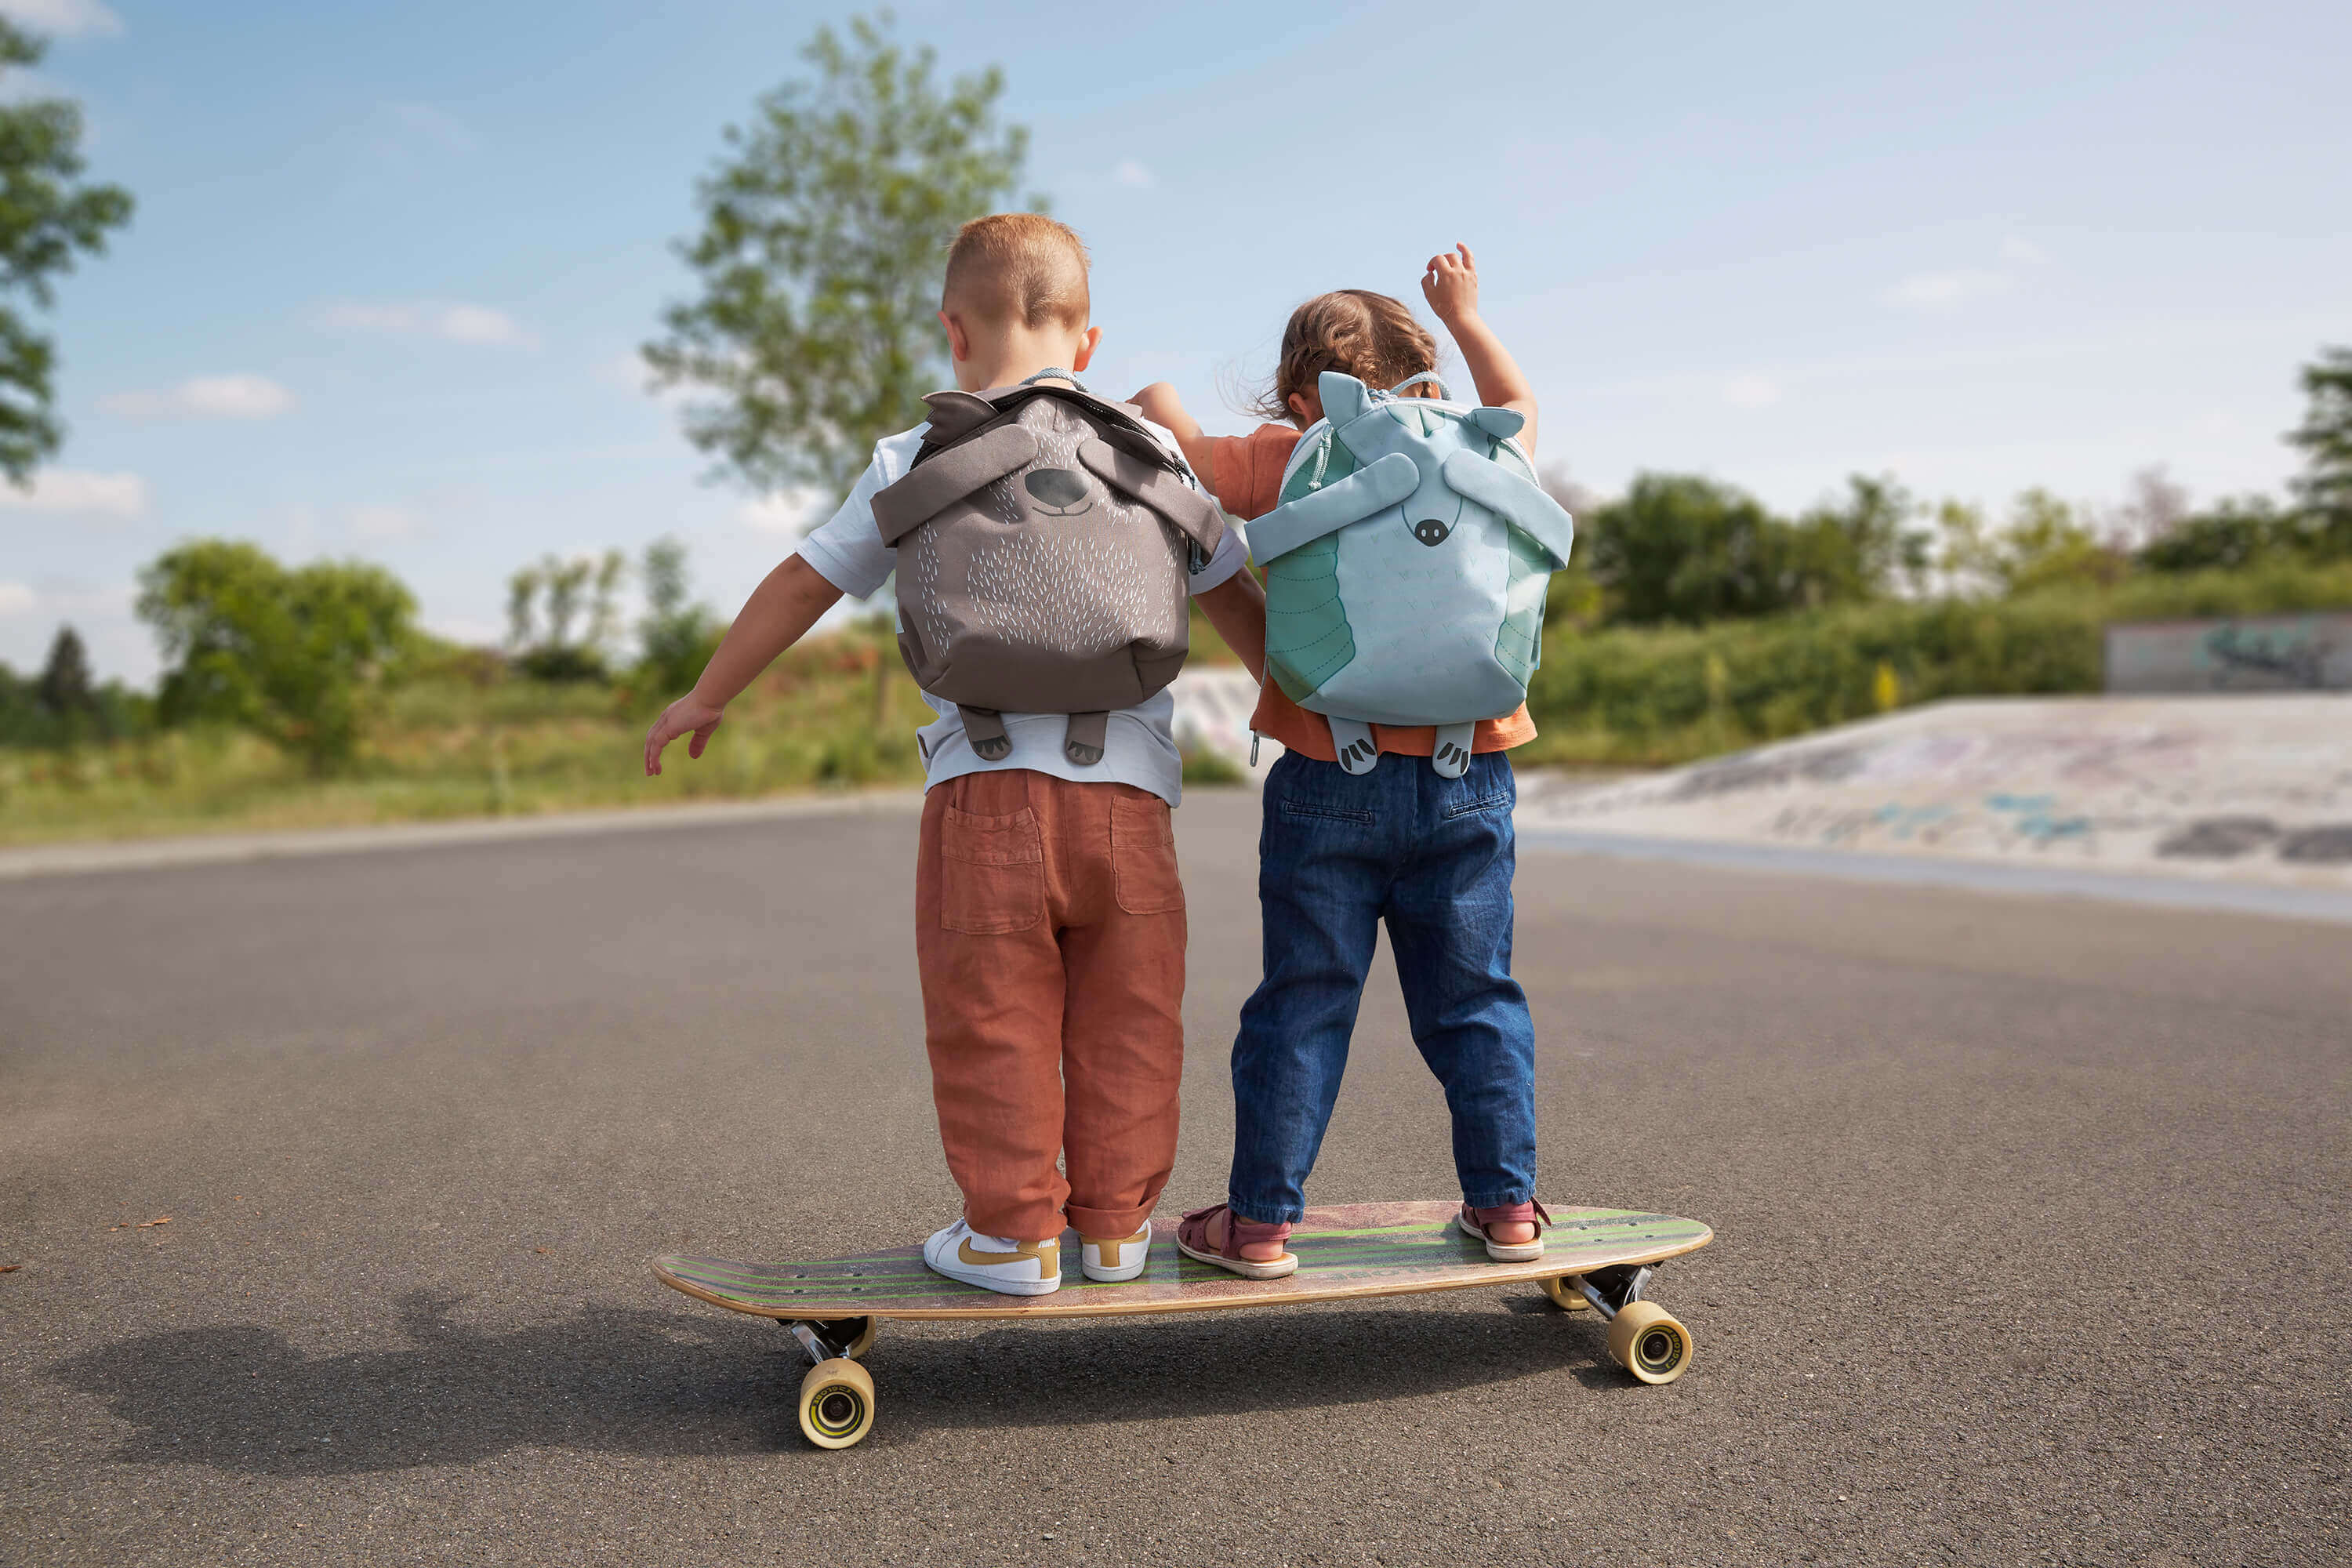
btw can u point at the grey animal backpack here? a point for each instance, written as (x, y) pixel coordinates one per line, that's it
(1043, 538)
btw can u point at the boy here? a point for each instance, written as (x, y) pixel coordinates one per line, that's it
(1049, 923)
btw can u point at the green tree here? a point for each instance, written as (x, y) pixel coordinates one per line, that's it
(2325, 487)
(1686, 548)
(677, 636)
(1860, 546)
(2234, 532)
(66, 688)
(822, 247)
(46, 215)
(552, 653)
(298, 655)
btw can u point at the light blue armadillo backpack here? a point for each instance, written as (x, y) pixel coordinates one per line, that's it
(1405, 568)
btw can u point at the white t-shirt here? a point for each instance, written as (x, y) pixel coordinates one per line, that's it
(1140, 746)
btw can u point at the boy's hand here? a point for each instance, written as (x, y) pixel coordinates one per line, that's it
(676, 719)
(1450, 283)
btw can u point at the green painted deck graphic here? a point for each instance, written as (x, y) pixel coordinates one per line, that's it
(1358, 1249)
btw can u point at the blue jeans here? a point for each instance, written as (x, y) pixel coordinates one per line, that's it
(1432, 857)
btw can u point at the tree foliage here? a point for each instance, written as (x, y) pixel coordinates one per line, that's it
(1683, 549)
(295, 654)
(2325, 487)
(823, 247)
(544, 600)
(65, 688)
(48, 214)
(677, 636)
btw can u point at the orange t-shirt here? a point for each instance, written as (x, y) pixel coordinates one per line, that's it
(1246, 475)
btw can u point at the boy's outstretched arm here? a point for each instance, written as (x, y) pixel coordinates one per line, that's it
(1451, 285)
(1237, 607)
(779, 612)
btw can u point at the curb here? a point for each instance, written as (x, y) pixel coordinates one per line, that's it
(139, 854)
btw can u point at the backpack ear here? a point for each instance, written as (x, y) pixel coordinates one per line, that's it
(1500, 423)
(1343, 396)
(953, 414)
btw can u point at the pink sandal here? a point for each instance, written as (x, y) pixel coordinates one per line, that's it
(1474, 1222)
(1192, 1241)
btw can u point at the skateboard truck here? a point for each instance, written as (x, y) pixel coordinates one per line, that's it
(836, 1337)
(1625, 1285)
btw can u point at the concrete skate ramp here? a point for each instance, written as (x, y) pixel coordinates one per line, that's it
(2246, 792)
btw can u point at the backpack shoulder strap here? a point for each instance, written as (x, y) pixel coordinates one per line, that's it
(956, 471)
(1335, 506)
(1188, 511)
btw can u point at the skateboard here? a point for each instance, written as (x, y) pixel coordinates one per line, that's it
(1598, 1258)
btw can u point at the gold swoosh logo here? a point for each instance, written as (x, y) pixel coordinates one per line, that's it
(1047, 1253)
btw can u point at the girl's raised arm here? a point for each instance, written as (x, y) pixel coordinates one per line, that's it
(1450, 283)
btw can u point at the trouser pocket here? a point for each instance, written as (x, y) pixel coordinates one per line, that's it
(1143, 857)
(991, 872)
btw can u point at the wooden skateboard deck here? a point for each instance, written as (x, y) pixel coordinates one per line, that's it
(1348, 1251)
(1356, 1249)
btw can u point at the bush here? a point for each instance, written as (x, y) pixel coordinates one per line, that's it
(1663, 696)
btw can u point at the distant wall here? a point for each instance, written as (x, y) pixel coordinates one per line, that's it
(2254, 653)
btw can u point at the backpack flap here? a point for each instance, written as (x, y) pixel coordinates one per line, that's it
(1522, 505)
(952, 474)
(1188, 511)
(1364, 493)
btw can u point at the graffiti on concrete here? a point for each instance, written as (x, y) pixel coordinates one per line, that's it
(2258, 785)
(2296, 658)
(2219, 838)
(2328, 846)
(2256, 653)
(1768, 769)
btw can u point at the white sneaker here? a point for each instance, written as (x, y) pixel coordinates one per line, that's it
(1117, 1257)
(995, 1263)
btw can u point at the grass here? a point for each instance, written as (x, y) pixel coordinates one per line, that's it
(838, 713)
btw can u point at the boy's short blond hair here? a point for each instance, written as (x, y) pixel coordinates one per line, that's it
(1017, 268)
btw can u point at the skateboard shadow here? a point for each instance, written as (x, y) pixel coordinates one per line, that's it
(637, 1381)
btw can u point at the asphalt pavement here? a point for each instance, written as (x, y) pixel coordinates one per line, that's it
(328, 1183)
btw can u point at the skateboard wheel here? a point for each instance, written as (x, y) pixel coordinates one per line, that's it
(836, 1403)
(1649, 1343)
(864, 1340)
(1561, 1288)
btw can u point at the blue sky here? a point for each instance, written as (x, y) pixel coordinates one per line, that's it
(391, 261)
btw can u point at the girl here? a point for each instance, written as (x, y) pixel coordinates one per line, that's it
(1341, 853)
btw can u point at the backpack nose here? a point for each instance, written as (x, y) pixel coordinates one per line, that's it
(1057, 488)
(1431, 532)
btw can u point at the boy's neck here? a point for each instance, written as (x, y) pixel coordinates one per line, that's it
(1014, 358)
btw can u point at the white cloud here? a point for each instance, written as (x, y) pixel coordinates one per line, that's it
(204, 397)
(75, 493)
(380, 523)
(786, 513)
(1130, 172)
(2023, 252)
(455, 323)
(64, 17)
(438, 127)
(1751, 392)
(1942, 290)
(15, 598)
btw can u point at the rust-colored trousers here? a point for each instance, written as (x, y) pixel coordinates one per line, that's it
(1049, 932)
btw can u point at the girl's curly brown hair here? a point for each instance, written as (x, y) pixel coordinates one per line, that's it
(1353, 330)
